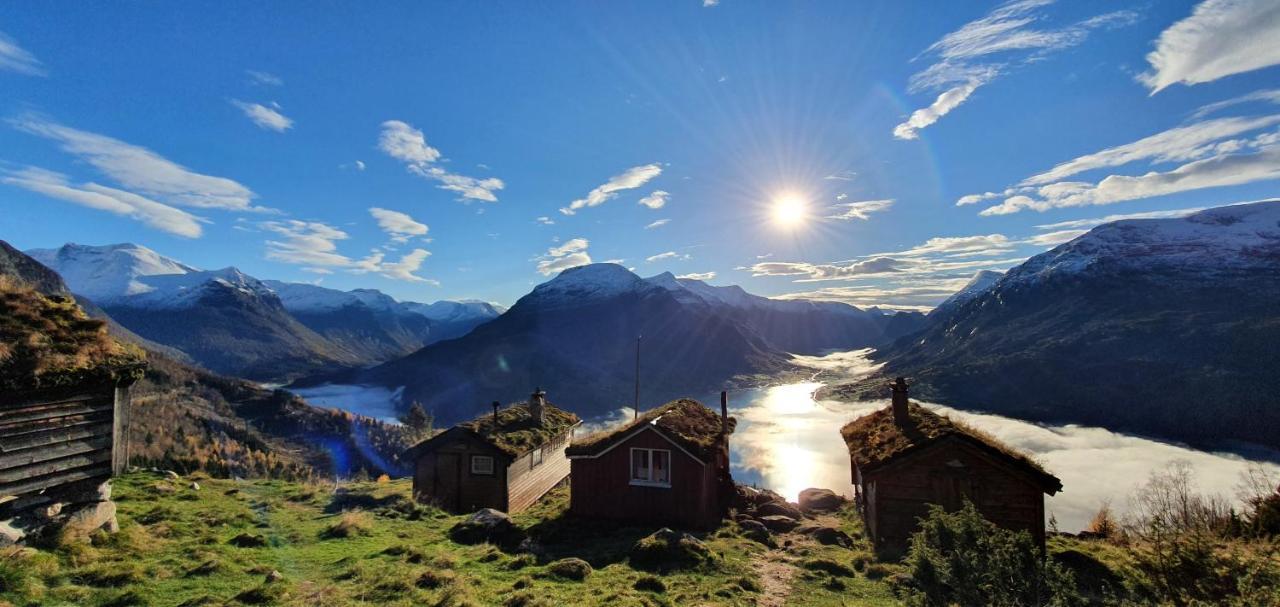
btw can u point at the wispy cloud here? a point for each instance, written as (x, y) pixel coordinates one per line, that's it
(264, 78)
(665, 256)
(14, 58)
(697, 276)
(313, 244)
(571, 254)
(630, 179)
(812, 272)
(268, 118)
(981, 50)
(400, 226)
(1219, 39)
(1271, 96)
(657, 224)
(1097, 221)
(861, 210)
(841, 176)
(142, 171)
(407, 144)
(656, 200)
(119, 202)
(546, 221)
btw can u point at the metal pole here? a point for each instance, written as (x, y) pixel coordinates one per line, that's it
(635, 408)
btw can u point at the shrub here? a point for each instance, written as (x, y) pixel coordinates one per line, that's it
(432, 578)
(962, 559)
(570, 568)
(348, 525)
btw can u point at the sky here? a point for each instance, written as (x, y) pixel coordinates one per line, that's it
(877, 153)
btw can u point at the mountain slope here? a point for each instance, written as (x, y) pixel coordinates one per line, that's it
(365, 322)
(982, 281)
(1163, 326)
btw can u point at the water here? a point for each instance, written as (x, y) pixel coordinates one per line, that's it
(370, 401)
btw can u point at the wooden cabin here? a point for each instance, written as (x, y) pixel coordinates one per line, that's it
(506, 460)
(64, 400)
(906, 458)
(669, 466)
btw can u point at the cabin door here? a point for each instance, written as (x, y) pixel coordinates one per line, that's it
(951, 489)
(448, 490)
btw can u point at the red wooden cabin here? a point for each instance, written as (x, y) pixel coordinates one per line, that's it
(669, 466)
(906, 458)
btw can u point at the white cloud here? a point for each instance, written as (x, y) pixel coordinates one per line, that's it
(571, 254)
(1052, 239)
(407, 144)
(143, 171)
(1267, 96)
(980, 244)
(657, 224)
(861, 210)
(314, 244)
(405, 268)
(710, 3)
(265, 78)
(157, 215)
(546, 221)
(399, 226)
(827, 271)
(1089, 223)
(265, 117)
(665, 256)
(964, 56)
(1220, 38)
(656, 200)
(14, 58)
(841, 176)
(632, 178)
(697, 276)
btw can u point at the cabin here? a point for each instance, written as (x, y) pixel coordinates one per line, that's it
(64, 401)
(906, 458)
(668, 466)
(506, 460)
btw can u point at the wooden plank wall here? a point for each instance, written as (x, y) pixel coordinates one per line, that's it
(526, 483)
(52, 441)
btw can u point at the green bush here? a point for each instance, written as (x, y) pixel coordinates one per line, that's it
(962, 559)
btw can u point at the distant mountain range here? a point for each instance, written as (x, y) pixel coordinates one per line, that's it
(1168, 327)
(575, 336)
(233, 323)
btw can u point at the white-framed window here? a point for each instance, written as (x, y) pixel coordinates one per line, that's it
(651, 467)
(535, 458)
(482, 464)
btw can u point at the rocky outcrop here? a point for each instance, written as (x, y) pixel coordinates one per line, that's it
(487, 525)
(70, 515)
(821, 500)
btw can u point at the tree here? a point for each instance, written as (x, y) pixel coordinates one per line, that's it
(418, 419)
(962, 559)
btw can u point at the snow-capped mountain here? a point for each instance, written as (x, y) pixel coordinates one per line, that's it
(981, 281)
(108, 273)
(1163, 326)
(465, 310)
(303, 297)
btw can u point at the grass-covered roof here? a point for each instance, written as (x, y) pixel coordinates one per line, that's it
(685, 421)
(875, 439)
(516, 432)
(46, 341)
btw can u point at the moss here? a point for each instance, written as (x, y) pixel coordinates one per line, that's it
(48, 342)
(685, 420)
(516, 432)
(571, 568)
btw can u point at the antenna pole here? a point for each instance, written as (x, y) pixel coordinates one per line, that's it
(635, 408)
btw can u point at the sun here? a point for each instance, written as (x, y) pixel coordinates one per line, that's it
(790, 210)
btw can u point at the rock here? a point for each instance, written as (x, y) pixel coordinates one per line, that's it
(571, 568)
(756, 531)
(163, 487)
(828, 536)
(821, 500)
(751, 524)
(273, 576)
(195, 486)
(780, 508)
(751, 497)
(487, 525)
(49, 512)
(81, 523)
(665, 549)
(777, 522)
(171, 475)
(10, 534)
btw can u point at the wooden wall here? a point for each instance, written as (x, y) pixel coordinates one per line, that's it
(601, 488)
(946, 474)
(443, 475)
(526, 483)
(53, 439)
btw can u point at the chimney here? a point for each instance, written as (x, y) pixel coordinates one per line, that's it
(901, 417)
(496, 405)
(538, 407)
(724, 413)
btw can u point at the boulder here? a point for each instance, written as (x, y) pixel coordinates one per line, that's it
(81, 523)
(756, 531)
(10, 534)
(273, 576)
(828, 536)
(751, 497)
(571, 568)
(778, 523)
(171, 475)
(780, 508)
(665, 549)
(821, 500)
(195, 486)
(487, 525)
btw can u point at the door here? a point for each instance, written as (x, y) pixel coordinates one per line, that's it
(448, 485)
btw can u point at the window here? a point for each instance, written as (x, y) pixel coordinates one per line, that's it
(651, 467)
(535, 458)
(482, 464)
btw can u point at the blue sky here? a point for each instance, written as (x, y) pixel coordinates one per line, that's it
(469, 150)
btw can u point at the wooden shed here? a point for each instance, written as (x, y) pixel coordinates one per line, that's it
(906, 458)
(669, 466)
(506, 460)
(64, 399)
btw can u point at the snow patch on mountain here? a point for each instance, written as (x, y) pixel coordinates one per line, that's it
(592, 281)
(981, 282)
(108, 273)
(303, 297)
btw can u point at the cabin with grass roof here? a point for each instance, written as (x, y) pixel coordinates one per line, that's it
(506, 460)
(668, 466)
(906, 458)
(64, 399)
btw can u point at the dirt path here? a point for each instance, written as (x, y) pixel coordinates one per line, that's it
(774, 571)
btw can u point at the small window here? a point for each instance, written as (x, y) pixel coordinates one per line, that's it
(482, 464)
(651, 467)
(535, 458)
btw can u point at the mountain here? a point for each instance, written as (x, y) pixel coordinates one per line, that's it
(575, 335)
(1161, 326)
(451, 319)
(365, 322)
(981, 281)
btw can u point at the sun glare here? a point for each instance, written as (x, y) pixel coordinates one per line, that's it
(790, 210)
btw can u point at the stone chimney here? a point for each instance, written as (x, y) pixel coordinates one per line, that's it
(496, 406)
(901, 416)
(538, 407)
(724, 413)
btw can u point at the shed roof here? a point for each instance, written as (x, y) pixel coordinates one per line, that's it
(46, 341)
(516, 433)
(685, 422)
(875, 440)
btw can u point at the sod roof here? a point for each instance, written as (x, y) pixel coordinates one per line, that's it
(875, 440)
(46, 341)
(516, 433)
(685, 421)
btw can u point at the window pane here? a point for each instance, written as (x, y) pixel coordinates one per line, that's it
(481, 464)
(639, 465)
(662, 466)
